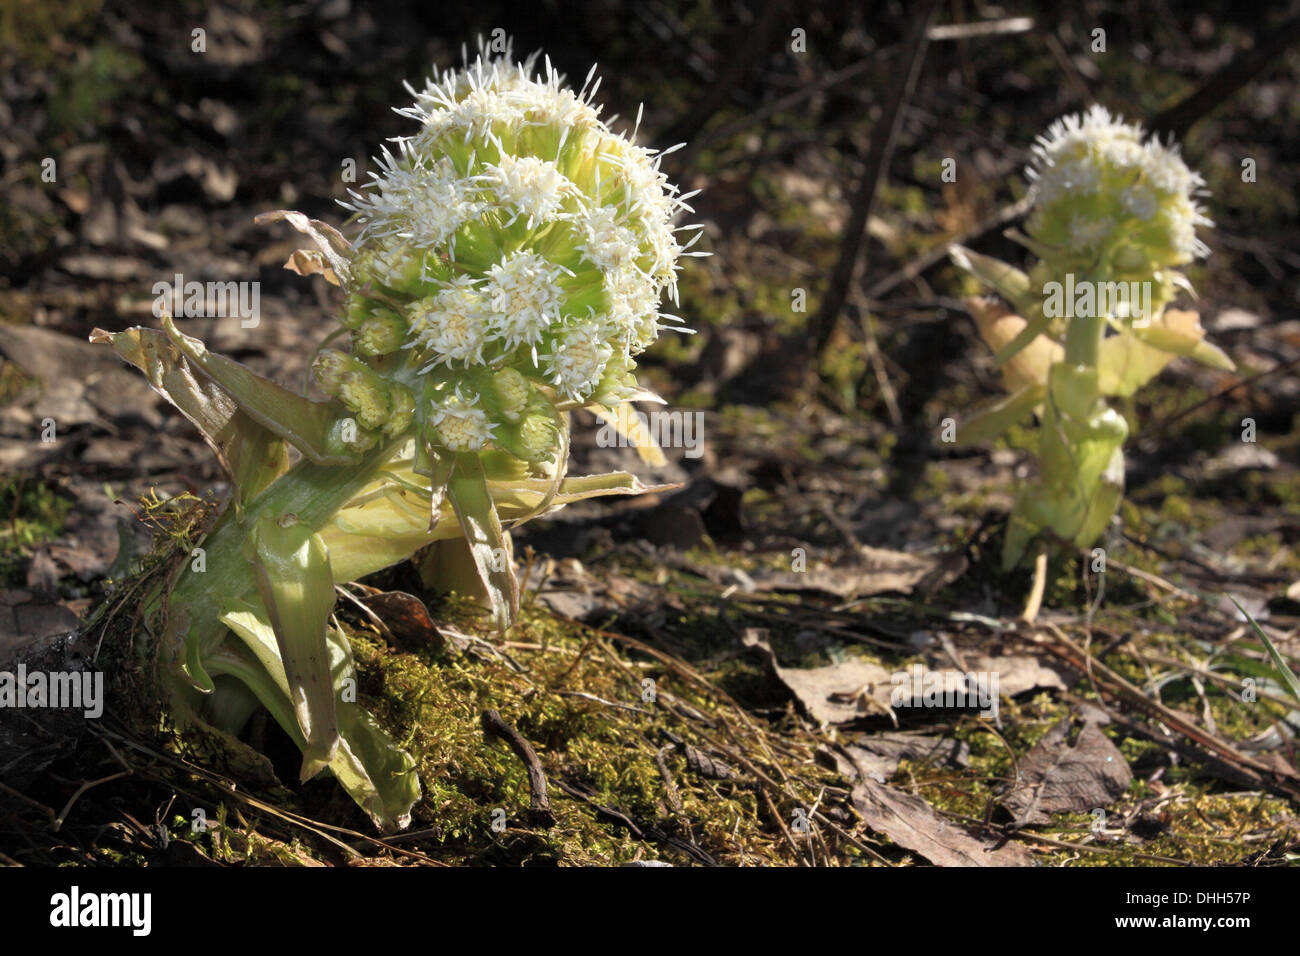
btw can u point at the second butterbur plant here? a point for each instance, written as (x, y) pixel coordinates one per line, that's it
(1114, 218)
(510, 263)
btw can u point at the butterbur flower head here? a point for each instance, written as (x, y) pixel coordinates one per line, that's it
(1105, 194)
(577, 360)
(514, 230)
(451, 325)
(461, 424)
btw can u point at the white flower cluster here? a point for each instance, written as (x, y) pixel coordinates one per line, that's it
(1100, 188)
(515, 229)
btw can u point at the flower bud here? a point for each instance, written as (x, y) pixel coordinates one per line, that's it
(381, 333)
(355, 385)
(533, 439)
(511, 393)
(346, 435)
(403, 409)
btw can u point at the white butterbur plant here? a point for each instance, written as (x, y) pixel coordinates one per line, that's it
(509, 263)
(1114, 217)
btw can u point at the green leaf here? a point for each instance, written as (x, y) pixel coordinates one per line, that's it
(250, 453)
(300, 421)
(389, 520)
(468, 491)
(1006, 280)
(1177, 342)
(1103, 503)
(997, 418)
(1288, 676)
(441, 466)
(378, 774)
(1138, 354)
(292, 570)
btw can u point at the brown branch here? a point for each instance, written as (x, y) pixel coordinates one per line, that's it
(1227, 81)
(882, 147)
(539, 810)
(737, 68)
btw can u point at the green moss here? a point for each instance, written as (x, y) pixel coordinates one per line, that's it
(31, 512)
(86, 92)
(27, 26)
(12, 381)
(605, 751)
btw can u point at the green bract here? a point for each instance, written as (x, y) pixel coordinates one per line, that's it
(510, 264)
(1113, 216)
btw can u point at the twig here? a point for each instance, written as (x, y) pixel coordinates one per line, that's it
(882, 147)
(540, 804)
(63, 816)
(1067, 66)
(723, 86)
(1249, 767)
(670, 787)
(980, 28)
(1163, 426)
(1035, 601)
(1225, 82)
(932, 257)
(5, 788)
(780, 105)
(878, 362)
(1155, 579)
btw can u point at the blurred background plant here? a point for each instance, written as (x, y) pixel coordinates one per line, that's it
(1114, 216)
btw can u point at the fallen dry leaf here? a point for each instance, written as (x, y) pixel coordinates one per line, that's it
(834, 694)
(914, 825)
(877, 756)
(1019, 673)
(872, 571)
(1059, 777)
(881, 753)
(407, 619)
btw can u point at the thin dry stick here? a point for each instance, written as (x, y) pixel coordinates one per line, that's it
(877, 361)
(1072, 654)
(882, 147)
(1164, 425)
(1226, 82)
(981, 28)
(785, 831)
(539, 804)
(1035, 602)
(939, 253)
(786, 102)
(63, 816)
(670, 786)
(755, 45)
(1154, 579)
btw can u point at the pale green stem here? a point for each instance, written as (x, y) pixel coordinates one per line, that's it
(1083, 340)
(1084, 335)
(314, 493)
